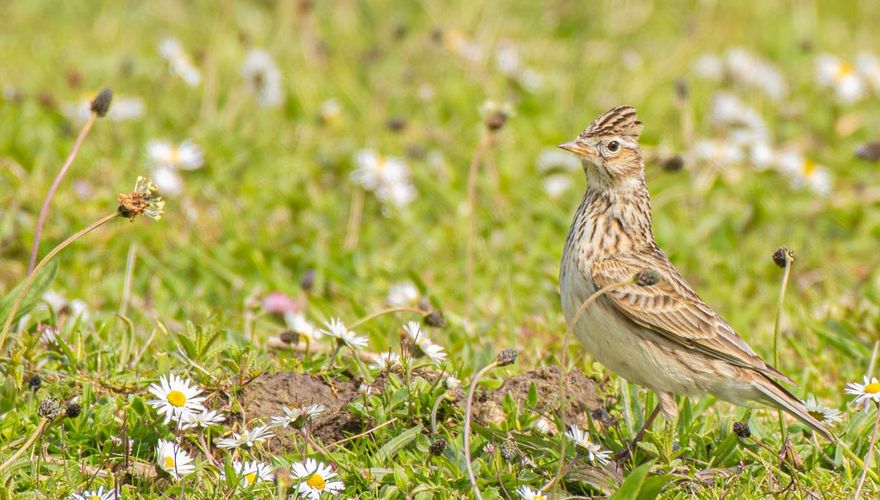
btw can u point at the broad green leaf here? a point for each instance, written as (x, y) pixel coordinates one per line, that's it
(398, 443)
(631, 487)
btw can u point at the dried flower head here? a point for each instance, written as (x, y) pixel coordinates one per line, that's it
(648, 277)
(506, 357)
(438, 447)
(742, 430)
(49, 408)
(435, 318)
(34, 383)
(782, 256)
(73, 410)
(143, 200)
(509, 449)
(869, 151)
(100, 105)
(495, 115)
(289, 337)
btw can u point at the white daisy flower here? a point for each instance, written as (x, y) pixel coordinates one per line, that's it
(184, 156)
(420, 339)
(743, 122)
(403, 294)
(399, 194)
(247, 438)
(762, 155)
(251, 472)
(315, 479)
(526, 493)
(297, 417)
(841, 76)
(867, 392)
(205, 418)
(386, 360)
(121, 109)
(554, 159)
(556, 185)
(804, 172)
(754, 71)
(434, 352)
(263, 77)
(98, 494)
(594, 452)
(181, 65)
(452, 383)
(168, 180)
(331, 111)
(507, 59)
(821, 412)
(173, 460)
(718, 152)
(336, 329)
(387, 177)
(297, 322)
(176, 397)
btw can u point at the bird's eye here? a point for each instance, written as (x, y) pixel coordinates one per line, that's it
(613, 146)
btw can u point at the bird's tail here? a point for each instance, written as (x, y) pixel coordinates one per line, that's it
(782, 398)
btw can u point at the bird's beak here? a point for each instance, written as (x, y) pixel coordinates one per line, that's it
(577, 148)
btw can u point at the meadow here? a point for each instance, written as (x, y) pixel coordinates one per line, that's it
(363, 211)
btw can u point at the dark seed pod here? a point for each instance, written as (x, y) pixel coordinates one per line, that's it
(506, 357)
(34, 383)
(435, 319)
(49, 408)
(742, 430)
(438, 447)
(289, 337)
(869, 151)
(73, 410)
(508, 449)
(101, 104)
(782, 256)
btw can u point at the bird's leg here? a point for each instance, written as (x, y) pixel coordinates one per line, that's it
(626, 453)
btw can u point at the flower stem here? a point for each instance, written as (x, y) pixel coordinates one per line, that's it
(468, 412)
(776, 325)
(473, 171)
(868, 455)
(354, 219)
(41, 427)
(30, 279)
(44, 210)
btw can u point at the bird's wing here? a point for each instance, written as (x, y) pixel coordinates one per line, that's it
(673, 310)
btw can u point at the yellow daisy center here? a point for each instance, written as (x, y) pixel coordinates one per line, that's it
(872, 388)
(94, 497)
(809, 167)
(169, 462)
(817, 414)
(175, 154)
(539, 497)
(176, 398)
(317, 482)
(844, 70)
(250, 478)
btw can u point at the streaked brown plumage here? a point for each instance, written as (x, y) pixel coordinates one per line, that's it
(663, 337)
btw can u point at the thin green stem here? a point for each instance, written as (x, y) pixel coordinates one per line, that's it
(868, 455)
(30, 279)
(776, 325)
(468, 411)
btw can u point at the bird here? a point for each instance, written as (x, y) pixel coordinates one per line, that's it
(663, 336)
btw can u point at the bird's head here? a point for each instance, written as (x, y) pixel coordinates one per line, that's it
(609, 147)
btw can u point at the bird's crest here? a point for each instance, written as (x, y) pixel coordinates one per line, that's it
(621, 120)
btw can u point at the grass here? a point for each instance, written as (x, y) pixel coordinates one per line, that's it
(272, 207)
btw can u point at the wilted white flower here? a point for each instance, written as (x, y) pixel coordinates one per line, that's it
(179, 61)
(297, 322)
(554, 159)
(173, 460)
(762, 155)
(403, 294)
(263, 78)
(452, 383)
(545, 426)
(176, 398)
(742, 122)
(246, 438)
(841, 76)
(594, 452)
(315, 479)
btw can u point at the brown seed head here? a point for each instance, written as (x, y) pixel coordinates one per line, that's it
(506, 357)
(782, 256)
(49, 408)
(742, 430)
(101, 104)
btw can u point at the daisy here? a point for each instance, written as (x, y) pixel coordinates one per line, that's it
(866, 392)
(168, 180)
(403, 294)
(315, 479)
(387, 177)
(526, 493)
(709, 66)
(184, 156)
(594, 452)
(821, 412)
(297, 322)
(452, 383)
(263, 77)
(555, 185)
(545, 426)
(181, 65)
(751, 70)
(841, 76)
(176, 398)
(742, 121)
(336, 329)
(205, 418)
(251, 472)
(719, 152)
(174, 460)
(868, 65)
(331, 112)
(420, 339)
(386, 360)
(98, 494)
(297, 417)
(247, 438)
(803, 171)
(122, 109)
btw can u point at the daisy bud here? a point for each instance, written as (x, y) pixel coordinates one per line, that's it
(508, 449)
(438, 447)
(506, 357)
(648, 277)
(73, 410)
(435, 319)
(34, 383)
(49, 409)
(782, 256)
(289, 337)
(869, 151)
(101, 104)
(742, 430)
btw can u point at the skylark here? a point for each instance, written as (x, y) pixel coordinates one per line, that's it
(663, 337)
